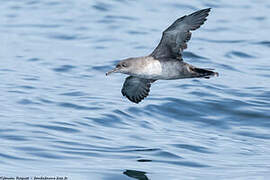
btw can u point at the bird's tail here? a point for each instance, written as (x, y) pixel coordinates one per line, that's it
(205, 73)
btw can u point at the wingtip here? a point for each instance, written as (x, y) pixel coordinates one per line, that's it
(206, 9)
(198, 18)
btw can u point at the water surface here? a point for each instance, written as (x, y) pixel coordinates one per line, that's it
(60, 115)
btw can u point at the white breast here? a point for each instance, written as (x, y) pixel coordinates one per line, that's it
(152, 69)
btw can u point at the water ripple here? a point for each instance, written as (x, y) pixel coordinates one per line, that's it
(238, 54)
(5, 156)
(75, 93)
(254, 135)
(27, 102)
(192, 148)
(77, 107)
(264, 43)
(57, 128)
(107, 120)
(192, 55)
(102, 7)
(64, 68)
(66, 37)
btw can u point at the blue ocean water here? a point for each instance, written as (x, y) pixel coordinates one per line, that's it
(61, 116)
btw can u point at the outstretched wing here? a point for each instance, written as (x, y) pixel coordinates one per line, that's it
(136, 89)
(174, 38)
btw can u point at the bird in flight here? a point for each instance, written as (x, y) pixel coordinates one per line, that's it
(165, 62)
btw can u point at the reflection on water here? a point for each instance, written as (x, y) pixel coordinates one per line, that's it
(60, 114)
(136, 174)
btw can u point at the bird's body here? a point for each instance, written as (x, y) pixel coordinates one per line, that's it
(165, 62)
(148, 67)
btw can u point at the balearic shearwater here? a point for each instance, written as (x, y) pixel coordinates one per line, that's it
(165, 62)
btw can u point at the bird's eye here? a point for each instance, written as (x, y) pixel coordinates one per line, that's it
(124, 65)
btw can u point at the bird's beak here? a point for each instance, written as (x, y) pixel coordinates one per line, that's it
(112, 71)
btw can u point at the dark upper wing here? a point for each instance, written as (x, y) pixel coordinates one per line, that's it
(136, 89)
(175, 37)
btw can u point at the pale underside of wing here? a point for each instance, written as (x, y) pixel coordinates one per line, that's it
(136, 89)
(174, 38)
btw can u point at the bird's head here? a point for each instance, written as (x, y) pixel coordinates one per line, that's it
(123, 66)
